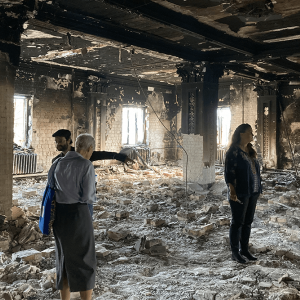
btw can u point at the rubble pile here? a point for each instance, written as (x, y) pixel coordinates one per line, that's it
(20, 150)
(155, 240)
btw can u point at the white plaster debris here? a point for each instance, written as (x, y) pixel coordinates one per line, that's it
(168, 246)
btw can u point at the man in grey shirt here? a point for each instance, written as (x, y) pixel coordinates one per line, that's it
(75, 175)
(73, 227)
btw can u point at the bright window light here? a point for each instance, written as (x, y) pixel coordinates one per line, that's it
(133, 120)
(223, 123)
(20, 110)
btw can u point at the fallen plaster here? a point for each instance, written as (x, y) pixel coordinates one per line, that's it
(155, 242)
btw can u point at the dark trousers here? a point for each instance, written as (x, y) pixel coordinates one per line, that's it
(242, 218)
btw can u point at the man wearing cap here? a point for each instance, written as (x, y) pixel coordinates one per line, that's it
(63, 143)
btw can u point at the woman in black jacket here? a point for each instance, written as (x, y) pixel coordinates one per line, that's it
(242, 176)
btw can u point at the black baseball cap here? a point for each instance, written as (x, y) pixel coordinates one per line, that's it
(62, 132)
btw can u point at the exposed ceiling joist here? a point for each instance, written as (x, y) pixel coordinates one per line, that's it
(286, 64)
(250, 73)
(189, 25)
(100, 28)
(246, 49)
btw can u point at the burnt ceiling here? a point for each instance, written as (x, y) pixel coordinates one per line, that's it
(257, 39)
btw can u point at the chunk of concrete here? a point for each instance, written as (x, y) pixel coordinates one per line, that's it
(121, 214)
(285, 199)
(258, 249)
(210, 209)
(34, 209)
(101, 251)
(103, 215)
(27, 234)
(185, 216)
(152, 207)
(7, 296)
(158, 250)
(117, 234)
(218, 188)
(124, 201)
(265, 285)
(281, 220)
(147, 221)
(262, 207)
(204, 295)
(28, 194)
(152, 242)
(16, 212)
(30, 256)
(285, 278)
(195, 187)
(223, 221)
(197, 232)
(47, 253)
(157, 222)
(5, 240)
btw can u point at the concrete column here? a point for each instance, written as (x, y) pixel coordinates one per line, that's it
(97, 118)
(267, 124)
(199, 118)
(7, 78)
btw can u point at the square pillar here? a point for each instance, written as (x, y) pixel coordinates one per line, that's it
(7, 78)
(194, 172)
(199, 116)
(267, 123)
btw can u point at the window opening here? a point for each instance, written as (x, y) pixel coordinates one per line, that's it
(133, 125)
(223, 125)
(20, 120)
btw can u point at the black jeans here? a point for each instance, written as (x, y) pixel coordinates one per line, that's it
(242, 218)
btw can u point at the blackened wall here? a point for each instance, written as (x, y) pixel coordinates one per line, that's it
(289, 125)
(66, 99)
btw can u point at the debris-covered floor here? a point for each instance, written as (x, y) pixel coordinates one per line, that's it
(155, 242)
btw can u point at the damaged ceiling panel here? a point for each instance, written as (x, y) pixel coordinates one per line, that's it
(112, 37)
(75, 52)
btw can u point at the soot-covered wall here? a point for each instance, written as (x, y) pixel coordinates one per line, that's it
(289, 125)
(83, 103)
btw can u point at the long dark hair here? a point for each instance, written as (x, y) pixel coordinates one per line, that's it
(236, 138)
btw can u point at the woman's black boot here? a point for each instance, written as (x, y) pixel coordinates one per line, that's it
(248, 255)
(237, 257)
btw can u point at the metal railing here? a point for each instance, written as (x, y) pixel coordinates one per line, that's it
(221, 151)
(142, 152)
(24, 163)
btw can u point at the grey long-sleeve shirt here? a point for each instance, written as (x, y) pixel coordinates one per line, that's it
(74, 179)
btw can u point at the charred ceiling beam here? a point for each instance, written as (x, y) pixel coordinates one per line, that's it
(249, 73)
(188, 25)
(42, 68)
(286, 64)
(280, 49)
(253, 51)
(100, 28)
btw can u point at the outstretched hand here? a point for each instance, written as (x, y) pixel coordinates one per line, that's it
(129, 161)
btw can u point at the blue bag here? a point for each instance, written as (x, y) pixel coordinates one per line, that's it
(48, 206)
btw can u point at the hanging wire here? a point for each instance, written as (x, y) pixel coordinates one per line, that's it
(171, 133)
